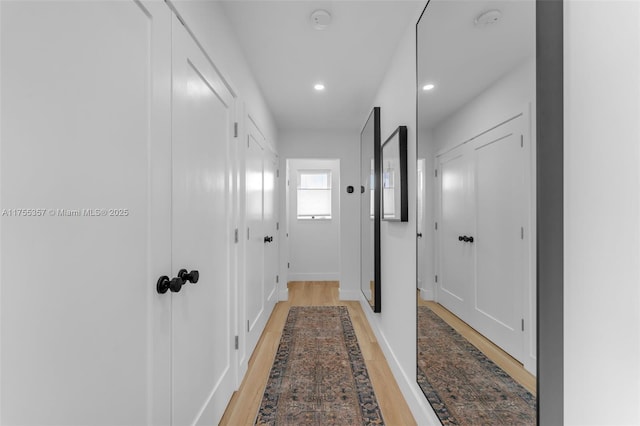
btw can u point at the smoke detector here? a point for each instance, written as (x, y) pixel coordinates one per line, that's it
(488, 18)
(320, 19)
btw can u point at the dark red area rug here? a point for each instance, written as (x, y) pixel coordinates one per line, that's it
(319, 376)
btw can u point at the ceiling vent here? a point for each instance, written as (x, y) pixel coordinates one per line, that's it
(320, 19)
(488, 18)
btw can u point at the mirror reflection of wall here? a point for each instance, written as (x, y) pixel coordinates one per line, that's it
(476, 203)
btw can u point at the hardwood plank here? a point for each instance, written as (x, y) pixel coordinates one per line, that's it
(244, 404)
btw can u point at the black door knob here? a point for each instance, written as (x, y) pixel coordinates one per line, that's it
(176, 284)
(361, 189)
(191, 277)
(162, 285)
(419, 234)
(268, 239)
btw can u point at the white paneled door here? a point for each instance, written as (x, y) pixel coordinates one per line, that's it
(271, 226)
(483, 245)
(255, 293)
(85, 198)
(114, 167)
(203, 362)
(501, 196)
(456, 256)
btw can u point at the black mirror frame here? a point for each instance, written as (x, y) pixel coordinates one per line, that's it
(377, 209)
(401, 131)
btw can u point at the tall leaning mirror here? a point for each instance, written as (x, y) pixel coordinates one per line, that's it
(476, 84)
(370, 210)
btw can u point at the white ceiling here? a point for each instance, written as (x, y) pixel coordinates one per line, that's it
(463, 59)
(288, 56)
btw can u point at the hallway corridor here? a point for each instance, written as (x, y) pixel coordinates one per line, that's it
(245, 402)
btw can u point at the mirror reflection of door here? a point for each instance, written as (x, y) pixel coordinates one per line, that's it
(476, 211)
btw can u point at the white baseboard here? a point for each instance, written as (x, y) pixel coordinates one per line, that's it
(314, 276)
(283, 294)
(418, 404)
(427, 294)
(350, 294)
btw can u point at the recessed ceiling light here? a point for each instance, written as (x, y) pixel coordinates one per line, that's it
(319, 87)
(428, 87)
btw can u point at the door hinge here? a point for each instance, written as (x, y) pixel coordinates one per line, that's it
(436, 226)
(237, 343)
(436, 278)
(436, 172)
(521, 141)
(235, 235)
(277, 278)
(278, 173)
(522, 233)
(235, 129)
(277, 226)
(522, 322)
(248, 233)
(248, 327)
(288, 265)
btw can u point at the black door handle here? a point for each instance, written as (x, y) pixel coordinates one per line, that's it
(419, 234)
(461, 238)
(268, 239)
(164, 284)
(191, 277)
(470, 239)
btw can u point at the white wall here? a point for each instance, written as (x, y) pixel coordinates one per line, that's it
(314, 245)
(602, 213)
(345, 146)
(602, 219)
(395, 325)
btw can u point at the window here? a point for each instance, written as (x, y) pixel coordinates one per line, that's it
(314, 194)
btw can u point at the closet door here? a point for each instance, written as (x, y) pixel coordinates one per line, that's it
(255, 233)
(501, 200)
(456, 256)
(203, 361)
(85, 198)
(270, 198)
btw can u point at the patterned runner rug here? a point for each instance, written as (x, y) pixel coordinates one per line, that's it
(319, 376)
(463, 386)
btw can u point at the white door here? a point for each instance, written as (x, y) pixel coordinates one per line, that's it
(500, 194)
(456, 260)
(270, 226)
(86, 141)
(421, 245)
(255, 247)
(203, 376)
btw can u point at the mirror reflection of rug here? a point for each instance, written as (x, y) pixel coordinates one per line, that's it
(319, 376)
(463, 386)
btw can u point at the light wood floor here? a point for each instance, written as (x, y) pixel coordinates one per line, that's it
(502, 359)
(244, 404)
